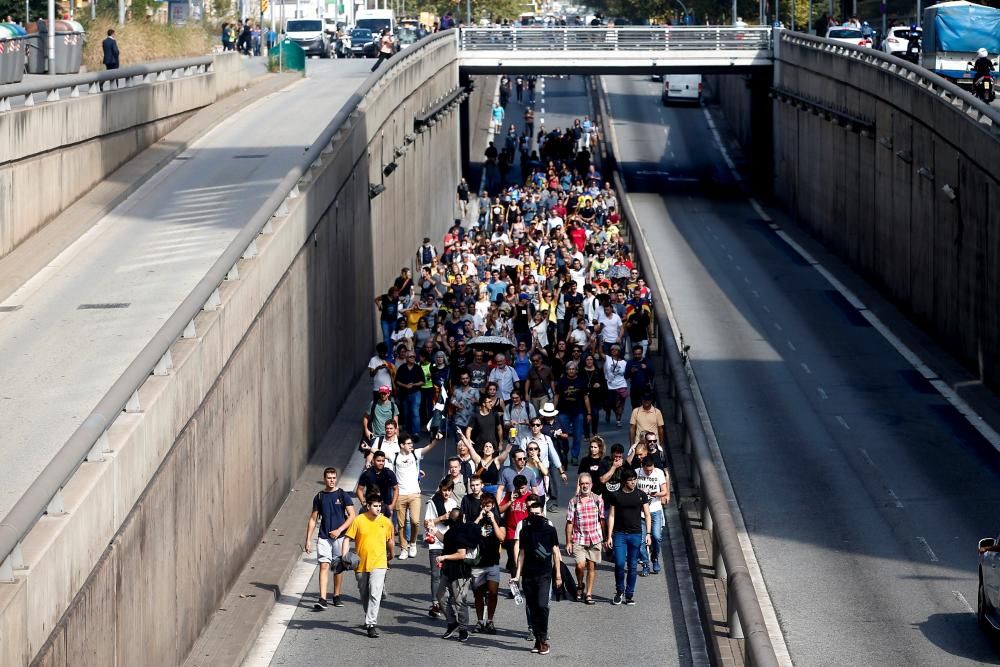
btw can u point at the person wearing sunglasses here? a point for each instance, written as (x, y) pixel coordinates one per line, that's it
(549, 455)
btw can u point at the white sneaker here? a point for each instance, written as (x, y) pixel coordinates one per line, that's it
(403, 554)
(413, 551)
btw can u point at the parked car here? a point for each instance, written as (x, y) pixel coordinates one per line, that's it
(846, 35)
(682, 88)
(363, 43)
(895, 42)
(988, 605)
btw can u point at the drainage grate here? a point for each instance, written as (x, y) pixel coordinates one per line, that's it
(183, 157)
(250, 156)
(102, 306)
(10, 309)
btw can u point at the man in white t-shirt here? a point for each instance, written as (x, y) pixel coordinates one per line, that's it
(406, 464)
(655, 484)
(387, 444)
(610, 328)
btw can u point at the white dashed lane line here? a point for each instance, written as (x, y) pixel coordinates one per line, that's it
(822, 393)
(895, 499)
(962, 601)
(931, 556)
(791, 346)
(777, 326)
(843, 422)
(806, 368)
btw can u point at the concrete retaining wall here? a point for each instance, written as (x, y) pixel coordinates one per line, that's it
(53, 153)
(877, 198)
(156, 533)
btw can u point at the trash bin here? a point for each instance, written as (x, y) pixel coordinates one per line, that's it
(287, 56)
(69, 46)
(11, 53)
(34, 53)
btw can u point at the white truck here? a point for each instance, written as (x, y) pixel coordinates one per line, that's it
(376, 20)
(953, 32)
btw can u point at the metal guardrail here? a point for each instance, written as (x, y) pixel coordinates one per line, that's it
(663, 39)
(929, 82)
(89, 441)
(745, 618)
(93, 82)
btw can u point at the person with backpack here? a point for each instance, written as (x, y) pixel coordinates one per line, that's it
(380, 411)
(436, 524)
(333, 510)
(456, 560)
(538, 560)
(426, 253)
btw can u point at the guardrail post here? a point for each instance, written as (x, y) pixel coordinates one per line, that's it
(718, 562)
(735, 627)
(56, 506)
(164, 365)
(12, 561)
(99, 449)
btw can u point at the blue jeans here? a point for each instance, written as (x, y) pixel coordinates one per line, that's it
(656, 521)
(410, 408)
(388, 328)
(573, 424)
(627, 547)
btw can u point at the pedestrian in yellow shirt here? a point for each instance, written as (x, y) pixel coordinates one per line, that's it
(372, 535)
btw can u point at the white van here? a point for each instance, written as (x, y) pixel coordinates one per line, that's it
(376, 20)
(682, 88)
(310, 35)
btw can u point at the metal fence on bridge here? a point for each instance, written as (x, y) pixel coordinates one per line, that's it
(644, 38)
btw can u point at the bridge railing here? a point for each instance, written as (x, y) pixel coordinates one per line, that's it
(644, 38)
(94, 82)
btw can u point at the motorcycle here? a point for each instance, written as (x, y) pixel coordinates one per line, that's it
(912, 52)
(984, 88)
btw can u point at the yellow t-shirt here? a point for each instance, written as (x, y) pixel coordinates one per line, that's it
(370, 538)
(648, 422)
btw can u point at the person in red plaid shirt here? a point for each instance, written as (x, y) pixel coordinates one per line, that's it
(584, 534)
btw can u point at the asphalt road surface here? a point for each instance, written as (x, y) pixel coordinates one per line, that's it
(144, 257)
(651, 632)
(864, 492)
(601, 634)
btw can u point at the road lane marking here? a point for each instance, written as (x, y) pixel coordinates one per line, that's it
(760, 210)
(293, 589)
(766, 309)
(760, 587)
(728, 255)
(746, 280)
(756, 295)
(927, 550)
(791, 345)
(777, 326)
(822, 393)
(866, 457)
(739, 268)
(962, 601)
(806, 368)
(895, 499)
(722, 148)
(843, 422)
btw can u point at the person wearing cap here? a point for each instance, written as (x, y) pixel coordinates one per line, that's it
(380, 412)
(380, 369)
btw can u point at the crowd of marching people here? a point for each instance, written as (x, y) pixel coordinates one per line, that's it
(519, 346)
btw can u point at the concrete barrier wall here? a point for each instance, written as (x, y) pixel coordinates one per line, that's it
(53, 153)
(156, 533)
(877, 198)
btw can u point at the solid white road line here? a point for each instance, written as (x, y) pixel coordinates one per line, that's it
(294, 587)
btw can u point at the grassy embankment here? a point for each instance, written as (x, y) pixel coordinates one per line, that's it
(142, 41)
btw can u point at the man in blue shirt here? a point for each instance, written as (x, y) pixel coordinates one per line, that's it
(496, 286)
(334, 510)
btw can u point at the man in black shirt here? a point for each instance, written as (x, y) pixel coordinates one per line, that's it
(486, 574)
(409, 380)
(379, 479)
(629, 510)
(573, 403)
(456, 573)
(537, 559)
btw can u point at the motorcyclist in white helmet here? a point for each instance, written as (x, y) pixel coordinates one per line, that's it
(983, 65)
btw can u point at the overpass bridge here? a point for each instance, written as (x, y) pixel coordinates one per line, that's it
(645, 49)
